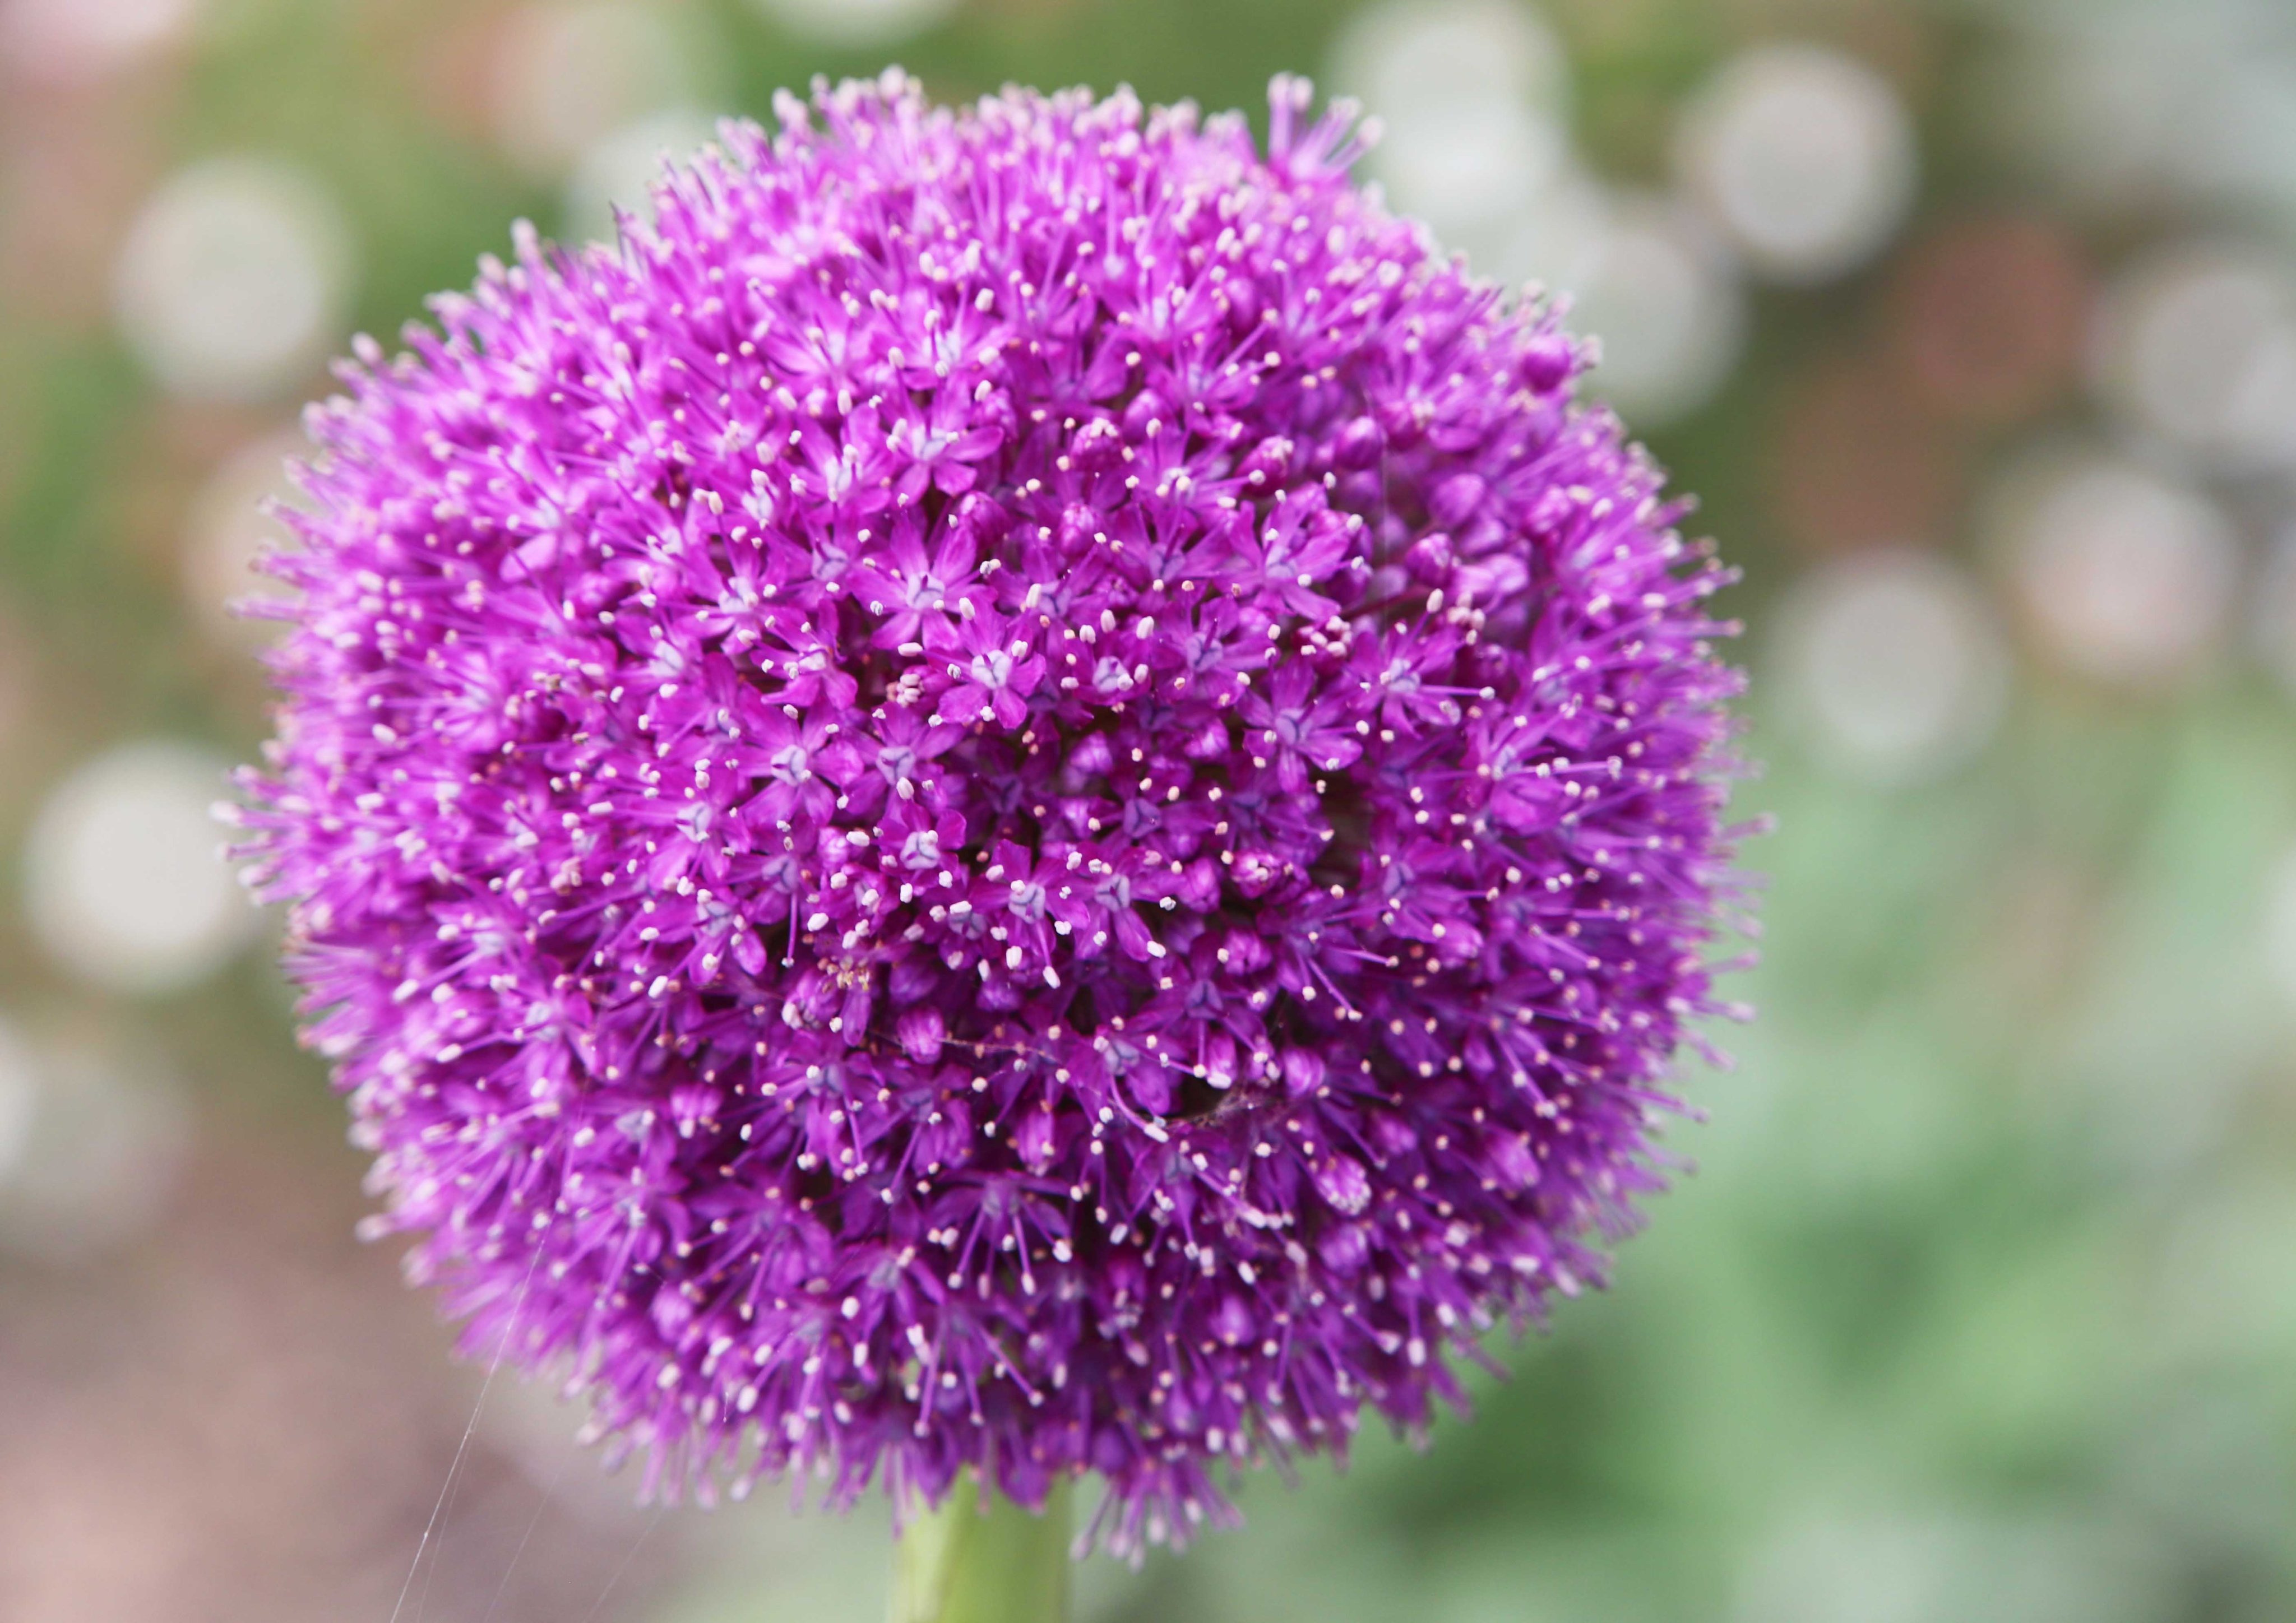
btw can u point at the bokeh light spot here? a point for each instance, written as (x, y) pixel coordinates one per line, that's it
(2124, 575)
(1891, 664)
(1803, 156)
(233, 278)
(2196, 346)
(126, 887)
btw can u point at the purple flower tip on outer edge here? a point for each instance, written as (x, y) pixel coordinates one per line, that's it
(1022, 791)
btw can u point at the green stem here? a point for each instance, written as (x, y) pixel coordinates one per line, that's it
(981, 1559)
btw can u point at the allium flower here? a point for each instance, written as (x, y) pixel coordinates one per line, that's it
(1020, 791)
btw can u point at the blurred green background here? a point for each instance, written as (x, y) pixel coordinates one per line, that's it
(1973, 325)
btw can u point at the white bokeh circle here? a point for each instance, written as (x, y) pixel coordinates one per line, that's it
(125, 882)
(1667, 316)
(620, 169)
(567, 76)
(1471, 96)
(1891, 664)
(234, 278)
(2196, 348)
(2125, 574)
(1803, 156)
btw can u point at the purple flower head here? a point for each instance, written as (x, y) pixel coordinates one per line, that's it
(1019, 791)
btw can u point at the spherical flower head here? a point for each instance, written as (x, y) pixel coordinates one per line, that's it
(1022, 790)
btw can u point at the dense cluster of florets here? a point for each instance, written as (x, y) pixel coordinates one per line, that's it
(1019, 791)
